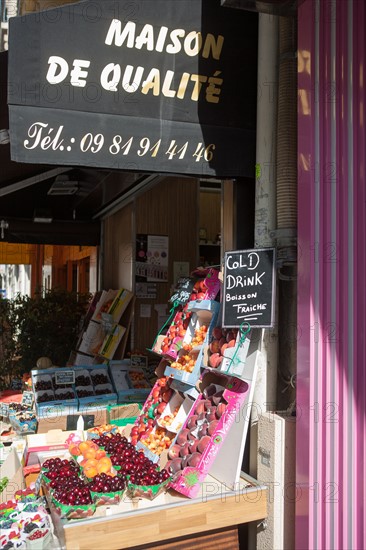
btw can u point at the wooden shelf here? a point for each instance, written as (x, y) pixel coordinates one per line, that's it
(170, 516)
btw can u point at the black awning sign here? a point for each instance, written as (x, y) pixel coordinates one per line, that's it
(151, 85)
(249, 283)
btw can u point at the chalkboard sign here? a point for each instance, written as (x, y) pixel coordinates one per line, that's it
(72, 420)
(249, 278)
(183, 290)
(65, 377)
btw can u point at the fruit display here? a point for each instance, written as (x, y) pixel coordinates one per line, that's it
(45, 384)
(98, 431)
(153, 408)
(106, 490)
(198, 338)
(99, 378)
(157, 441)
(173, 340)
(83, 380)
(185, 362)
(221, 340)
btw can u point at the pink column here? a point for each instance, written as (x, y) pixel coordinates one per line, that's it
(332, 273)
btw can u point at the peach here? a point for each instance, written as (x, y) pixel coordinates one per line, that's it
(193, 446)
(215, 360)
(231, 344)
(182, 436)
(100, 453)
(223, 349)
(221, 408)
(194, 459)
(176, 465)
(74, 450)
(192, 421)
(192, 434)
(211, 415)
(214, 346)
(167, 395)
(200, 407)
(203, 443)
(202, 431)
(212, 427)
(174, 451)
(184, 450)
(222, 342)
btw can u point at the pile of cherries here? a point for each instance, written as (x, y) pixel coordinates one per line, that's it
(106, 484)
(68, 487)
(43, 385)
(85, 393)
(133, 463)
(100, 379)
(82, 380)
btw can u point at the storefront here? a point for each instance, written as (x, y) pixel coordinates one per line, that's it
(146, 93)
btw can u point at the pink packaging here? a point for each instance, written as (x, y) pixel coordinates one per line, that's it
(205, 436)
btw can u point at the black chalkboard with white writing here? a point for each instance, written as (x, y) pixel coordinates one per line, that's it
(249, 283)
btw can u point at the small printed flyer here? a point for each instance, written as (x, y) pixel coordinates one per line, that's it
(152, 258)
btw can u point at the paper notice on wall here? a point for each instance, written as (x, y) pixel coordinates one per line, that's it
(163, 315)
(145, 310)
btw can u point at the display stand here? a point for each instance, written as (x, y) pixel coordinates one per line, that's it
(147, 524)
(227, 466)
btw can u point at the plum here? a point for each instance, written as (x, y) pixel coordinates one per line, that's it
(217, 333)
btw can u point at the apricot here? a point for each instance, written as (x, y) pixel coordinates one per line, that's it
(83, 446)
(89, 453)
(104, 465)
(90, 462)
(100, 453)
(74, 450)
(90, 471)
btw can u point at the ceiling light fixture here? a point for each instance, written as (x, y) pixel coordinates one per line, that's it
(42, 216)
(63, 186)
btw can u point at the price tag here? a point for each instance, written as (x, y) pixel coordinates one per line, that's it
(28, 399)
(65, 377)
(38, 483)
(139, 361)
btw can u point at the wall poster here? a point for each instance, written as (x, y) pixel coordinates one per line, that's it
(151, 261)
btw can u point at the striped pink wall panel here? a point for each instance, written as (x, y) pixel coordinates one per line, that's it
(331, 438)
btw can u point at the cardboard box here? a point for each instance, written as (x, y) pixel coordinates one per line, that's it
(234, 394)
(126, 392)
(53, 440)
(205, 312)
(13, 470)
(99, 416)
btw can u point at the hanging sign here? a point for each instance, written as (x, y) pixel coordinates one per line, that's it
(249, 288)
(183, 290)
(162, 86)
